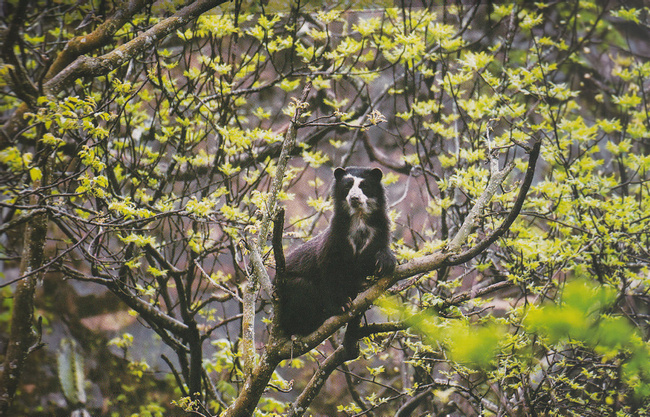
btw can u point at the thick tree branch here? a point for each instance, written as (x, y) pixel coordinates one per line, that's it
(361, 303)
(349, 350)
(20, 82)
(99, 37)
(255, 384)
(341, 354)
(17, 73)
(249, 292)
(21, 219)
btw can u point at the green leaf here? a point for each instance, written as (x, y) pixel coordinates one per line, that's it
(35, 174)
(71, 372)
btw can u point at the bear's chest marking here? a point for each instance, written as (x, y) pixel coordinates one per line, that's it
(360, 234)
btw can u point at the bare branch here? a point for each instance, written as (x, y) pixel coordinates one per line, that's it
(376, 155)
(149, 312)
(249, 291)
(325, 369)
(21, 219)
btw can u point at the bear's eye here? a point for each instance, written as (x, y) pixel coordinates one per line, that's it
(369, 189)
(365, 186)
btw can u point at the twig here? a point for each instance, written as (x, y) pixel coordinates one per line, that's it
(353, 393)
(177, 377)
(46, 266)
(317, 381)
(233, 294)
(411, 404)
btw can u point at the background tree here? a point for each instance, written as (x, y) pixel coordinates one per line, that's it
(147, 148)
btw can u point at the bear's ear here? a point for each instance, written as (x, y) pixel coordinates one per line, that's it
(339, 173)
(376, 174)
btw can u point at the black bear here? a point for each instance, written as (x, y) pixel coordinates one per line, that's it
(322, 275)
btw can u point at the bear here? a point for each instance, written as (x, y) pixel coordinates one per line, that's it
(323, 275)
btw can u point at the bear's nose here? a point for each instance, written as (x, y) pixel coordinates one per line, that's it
(355, 200)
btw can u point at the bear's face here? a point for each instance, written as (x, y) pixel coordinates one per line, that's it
(359, 190)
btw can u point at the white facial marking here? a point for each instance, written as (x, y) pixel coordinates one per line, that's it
(359, 205)
(357, 200)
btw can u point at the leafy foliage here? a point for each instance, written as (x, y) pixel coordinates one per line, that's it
(156, 171)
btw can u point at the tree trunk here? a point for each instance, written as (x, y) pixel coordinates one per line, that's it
(22, 337)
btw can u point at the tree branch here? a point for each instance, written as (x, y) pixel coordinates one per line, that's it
(147, 311)
(361, 303)
(325, 369)
(17, 72)
(20, 82)
(249, 291)
(85, 65)
(260, 276)
(99, 37)
(519, 202)
(255, 384)
(496, 179)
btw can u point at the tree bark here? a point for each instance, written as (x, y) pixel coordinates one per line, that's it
(22, 337)
(244, 405)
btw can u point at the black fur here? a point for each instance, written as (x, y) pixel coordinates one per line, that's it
(322, 275)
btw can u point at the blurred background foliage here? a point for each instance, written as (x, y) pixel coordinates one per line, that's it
(152, 166)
